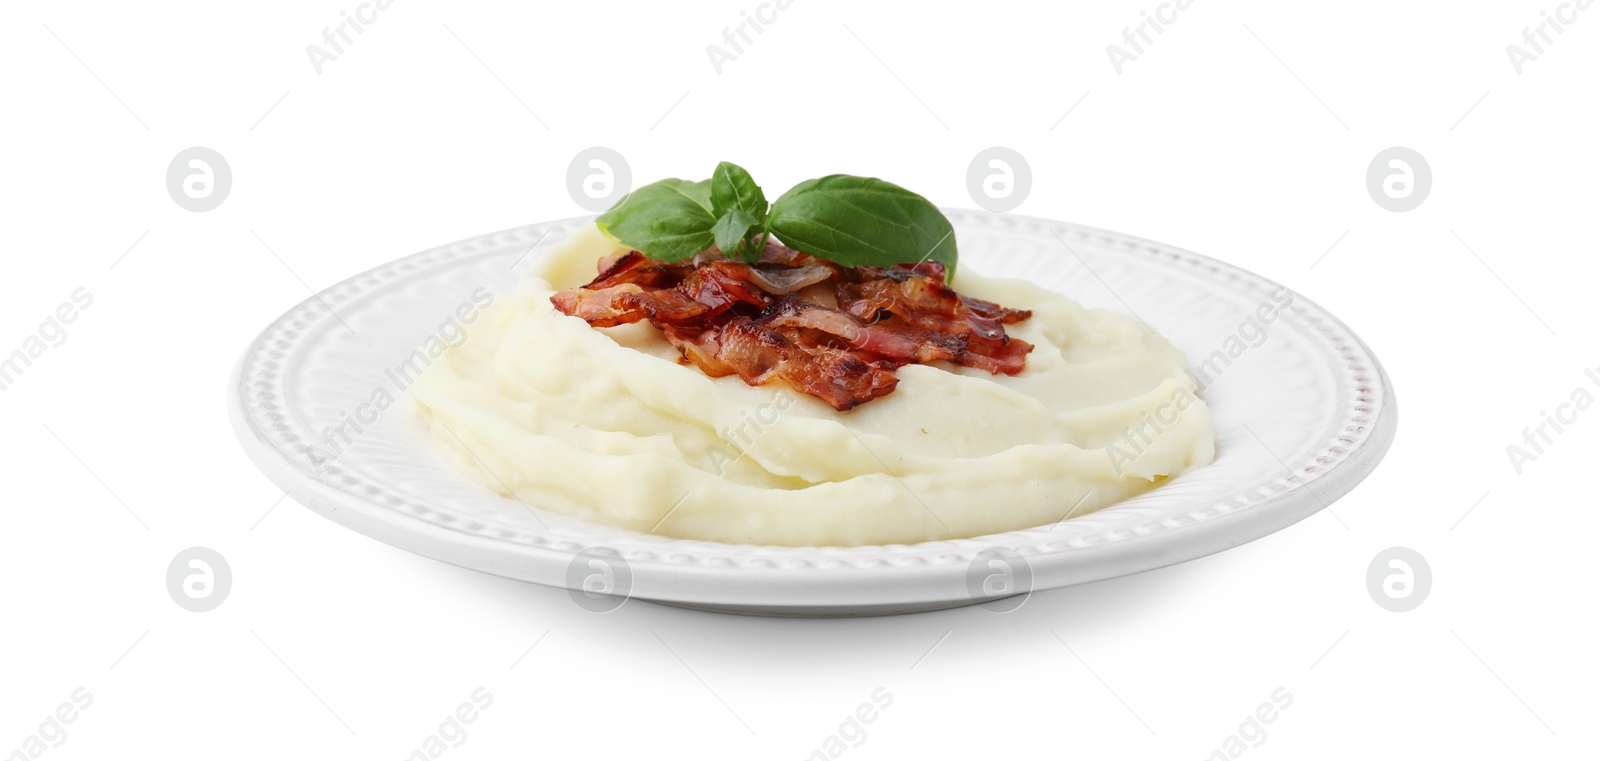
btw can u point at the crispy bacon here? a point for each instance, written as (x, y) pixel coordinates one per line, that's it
(1009, 358)
(891, 339)
(836, 333)
(634, 267)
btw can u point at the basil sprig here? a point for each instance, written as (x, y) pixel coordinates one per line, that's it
(670, 220)
(740, 207)
(854, 221)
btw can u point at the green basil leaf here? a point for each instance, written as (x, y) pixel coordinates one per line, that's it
(733, 188)
(733, 231)
(859, 221)
(670, 220)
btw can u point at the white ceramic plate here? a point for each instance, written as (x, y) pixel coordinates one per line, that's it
(1303, 412)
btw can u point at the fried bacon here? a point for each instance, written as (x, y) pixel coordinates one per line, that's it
(836, 333)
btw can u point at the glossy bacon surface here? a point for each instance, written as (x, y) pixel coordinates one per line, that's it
(836, 333)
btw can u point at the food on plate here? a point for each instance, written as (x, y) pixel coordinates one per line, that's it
(700, 364)
(829, 331)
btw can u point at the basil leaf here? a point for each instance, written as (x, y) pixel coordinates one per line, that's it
(733, 188)
(859, 221)
(732, 232)
(670, 220)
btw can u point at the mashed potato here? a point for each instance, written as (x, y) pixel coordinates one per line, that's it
(606, 426)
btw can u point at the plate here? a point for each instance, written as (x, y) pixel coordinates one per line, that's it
(1303, 411)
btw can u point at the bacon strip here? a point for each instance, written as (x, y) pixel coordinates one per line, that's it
(836, 333)
(891, 339)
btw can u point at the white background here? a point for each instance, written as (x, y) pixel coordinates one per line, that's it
(1206, 141)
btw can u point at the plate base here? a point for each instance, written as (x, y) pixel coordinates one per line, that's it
(819, 611)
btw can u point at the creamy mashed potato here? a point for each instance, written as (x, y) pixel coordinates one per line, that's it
(606, 426)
